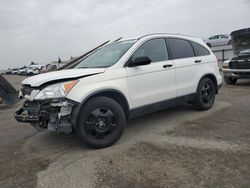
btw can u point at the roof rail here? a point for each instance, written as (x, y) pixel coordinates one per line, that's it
(163, 34)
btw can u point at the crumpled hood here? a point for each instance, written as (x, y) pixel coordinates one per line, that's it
(38, 80)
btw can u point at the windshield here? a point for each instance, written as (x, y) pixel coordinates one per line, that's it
(107, 55)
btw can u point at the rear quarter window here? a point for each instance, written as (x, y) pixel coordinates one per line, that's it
(199, 50)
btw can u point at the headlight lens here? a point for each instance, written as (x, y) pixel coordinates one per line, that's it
(56, 91)
(225, 65)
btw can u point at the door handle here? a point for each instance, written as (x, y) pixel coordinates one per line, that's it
(197, 61)
(167, 65)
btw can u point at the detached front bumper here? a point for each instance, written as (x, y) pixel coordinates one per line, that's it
(56, 115)
(237, 73)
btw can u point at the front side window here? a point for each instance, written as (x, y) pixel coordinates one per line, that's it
(199, 50)
(180, 48)
(155, 49)
(106, 56)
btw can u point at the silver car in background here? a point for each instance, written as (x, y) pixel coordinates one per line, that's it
(218, 40)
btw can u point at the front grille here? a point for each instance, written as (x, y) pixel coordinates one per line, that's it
(242, 74)
(239, 65)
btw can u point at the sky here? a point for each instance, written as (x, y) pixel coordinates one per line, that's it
(43, 30)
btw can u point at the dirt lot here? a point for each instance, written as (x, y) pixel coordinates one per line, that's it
(179, 147)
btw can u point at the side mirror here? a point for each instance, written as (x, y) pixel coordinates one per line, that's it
(139, 61)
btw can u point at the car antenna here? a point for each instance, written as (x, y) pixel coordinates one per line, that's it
(117, 39)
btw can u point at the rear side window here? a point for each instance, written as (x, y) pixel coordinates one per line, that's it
(180, 48)
(199, 50)
(155, 49)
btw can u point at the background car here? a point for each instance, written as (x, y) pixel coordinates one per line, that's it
(218, 40)
(239, 66)
(23, 71)
(15, 71)
(8, 71)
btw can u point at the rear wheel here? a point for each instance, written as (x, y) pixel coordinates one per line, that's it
(101, 122)
(230, 80)
(205, 95)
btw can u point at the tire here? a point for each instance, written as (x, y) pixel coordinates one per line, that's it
(101, 122)
(1, 100)
(205, 95)
(230, 80)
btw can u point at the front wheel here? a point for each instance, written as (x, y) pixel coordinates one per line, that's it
(205, 95)
(101, 122)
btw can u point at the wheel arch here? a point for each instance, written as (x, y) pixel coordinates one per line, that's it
(114, 94)
(213, 78)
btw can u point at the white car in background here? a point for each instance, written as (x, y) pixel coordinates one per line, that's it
(218, 40)
(23, 71)
(15, 71)
(34, 69)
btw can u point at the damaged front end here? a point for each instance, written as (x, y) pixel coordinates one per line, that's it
(56, 115)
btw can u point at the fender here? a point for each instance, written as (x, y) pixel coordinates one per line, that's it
(102, 92)
(213, 78)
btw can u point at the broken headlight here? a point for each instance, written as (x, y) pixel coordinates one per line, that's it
(56, 90)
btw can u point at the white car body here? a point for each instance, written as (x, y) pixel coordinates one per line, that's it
(138, 84)
(141, 86)
(218, 40)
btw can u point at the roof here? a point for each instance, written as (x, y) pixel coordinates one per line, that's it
(159, 35)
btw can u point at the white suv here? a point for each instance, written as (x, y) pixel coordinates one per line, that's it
(120, 81)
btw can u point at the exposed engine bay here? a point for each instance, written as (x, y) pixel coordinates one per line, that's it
(239, 66)
(241, 48)
(55, 115)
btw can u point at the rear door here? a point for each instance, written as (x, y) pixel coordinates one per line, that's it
(155, 82)
(188, 67)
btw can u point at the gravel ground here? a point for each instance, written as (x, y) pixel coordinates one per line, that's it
(178, 147)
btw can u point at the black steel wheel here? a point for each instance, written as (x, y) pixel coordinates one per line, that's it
(101, 122)
(205, 95)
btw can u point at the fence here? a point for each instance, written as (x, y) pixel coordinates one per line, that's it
(223, 53)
